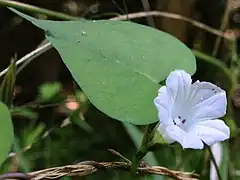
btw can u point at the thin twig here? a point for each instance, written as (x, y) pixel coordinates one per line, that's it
(172, 16)
(27, 7)
(146, 7)
(41, 106)
(35, 9)
(223, 27)
(48, 46)
(16, 175)
(32, 55)
(118, 7)
(25, 63)
(120, 155)
(85, 168)
(89, 167)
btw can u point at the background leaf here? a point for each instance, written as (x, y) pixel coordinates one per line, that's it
(48, 91)
(125, 71)
(6, 132)
(7, 85)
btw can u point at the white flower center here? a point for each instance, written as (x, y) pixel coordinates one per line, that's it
(179, 121)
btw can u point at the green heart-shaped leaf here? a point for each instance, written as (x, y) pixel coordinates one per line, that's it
(118, 64)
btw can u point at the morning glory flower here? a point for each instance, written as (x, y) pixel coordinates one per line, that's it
(188, 112)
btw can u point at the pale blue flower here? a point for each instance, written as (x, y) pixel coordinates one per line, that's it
(189, 113)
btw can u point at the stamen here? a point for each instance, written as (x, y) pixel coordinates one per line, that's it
(177, 120)
(183, 121)
(214, 90)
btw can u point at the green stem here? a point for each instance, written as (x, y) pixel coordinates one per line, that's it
(146, 141)
(214, 162)
(137, 159)
(224, 25)
(235, 64)
(21, 159)
(37, 10)
(148, 134)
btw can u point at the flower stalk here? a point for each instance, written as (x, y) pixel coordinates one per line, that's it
(145, 146)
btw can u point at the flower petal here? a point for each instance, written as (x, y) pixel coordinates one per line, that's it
(177, 134)
(217, 150)
(162, 130)
(206, 101)
(178, 84)
(163, 104)
(211, 131)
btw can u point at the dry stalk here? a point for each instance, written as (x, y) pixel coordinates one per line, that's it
(172, 16)
(89, 167)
